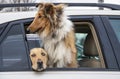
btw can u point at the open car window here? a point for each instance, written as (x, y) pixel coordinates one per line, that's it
(89, 54)
(17, 42)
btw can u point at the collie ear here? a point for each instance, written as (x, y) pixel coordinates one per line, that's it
(39, 5)
(60, 7)
(49, 9)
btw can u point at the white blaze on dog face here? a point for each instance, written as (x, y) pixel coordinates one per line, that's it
(39, 59)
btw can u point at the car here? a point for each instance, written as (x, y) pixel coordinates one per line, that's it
(97, 34)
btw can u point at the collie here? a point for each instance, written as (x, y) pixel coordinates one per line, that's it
(57, 34)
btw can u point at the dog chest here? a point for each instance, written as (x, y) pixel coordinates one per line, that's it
(58, 53)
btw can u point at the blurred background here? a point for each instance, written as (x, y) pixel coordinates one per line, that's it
(53, 1)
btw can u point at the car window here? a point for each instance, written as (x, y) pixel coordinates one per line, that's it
(33, 39)
(13, 51)
(116, 27)
(14, 55)
(88, 54)
(87, 48)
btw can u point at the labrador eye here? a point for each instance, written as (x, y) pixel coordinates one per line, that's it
(43, 54)
(33, 55)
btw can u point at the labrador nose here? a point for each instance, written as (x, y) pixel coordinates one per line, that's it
(40, 64)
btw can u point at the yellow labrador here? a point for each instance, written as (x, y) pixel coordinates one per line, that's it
(38, 58)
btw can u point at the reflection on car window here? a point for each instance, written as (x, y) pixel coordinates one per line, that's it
(33, 41)
(116, 27)
(13, 50)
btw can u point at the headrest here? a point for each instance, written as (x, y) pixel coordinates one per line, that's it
(90, 46)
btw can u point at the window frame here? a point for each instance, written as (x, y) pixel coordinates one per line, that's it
(3, 27)
(97, 23)
(112, 36)
(105, 45)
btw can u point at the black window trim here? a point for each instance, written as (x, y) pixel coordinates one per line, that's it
(26, 45)
(107, 49)
(113, 39)
(3, 27)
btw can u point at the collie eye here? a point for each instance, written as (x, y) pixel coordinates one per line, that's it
(33, 55)
(43, 54)
(39, 16)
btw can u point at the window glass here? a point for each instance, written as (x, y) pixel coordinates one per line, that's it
(13, 50)
(33, 39)
(116, 27)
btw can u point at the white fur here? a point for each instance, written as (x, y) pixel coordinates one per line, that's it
(58, 53)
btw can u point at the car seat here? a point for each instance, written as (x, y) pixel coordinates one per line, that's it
(90, 53)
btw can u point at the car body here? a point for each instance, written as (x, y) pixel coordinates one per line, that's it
(16, 42)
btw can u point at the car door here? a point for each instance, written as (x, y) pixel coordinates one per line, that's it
(16, 42)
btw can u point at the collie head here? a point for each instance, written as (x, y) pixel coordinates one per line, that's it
(47, 18)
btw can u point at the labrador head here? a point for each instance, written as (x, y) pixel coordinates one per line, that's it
(38, 58)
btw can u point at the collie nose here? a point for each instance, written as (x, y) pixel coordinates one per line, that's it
(40, 64)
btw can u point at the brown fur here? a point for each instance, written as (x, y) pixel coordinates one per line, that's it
(70, 43)
(38, 55)
(47, 22)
